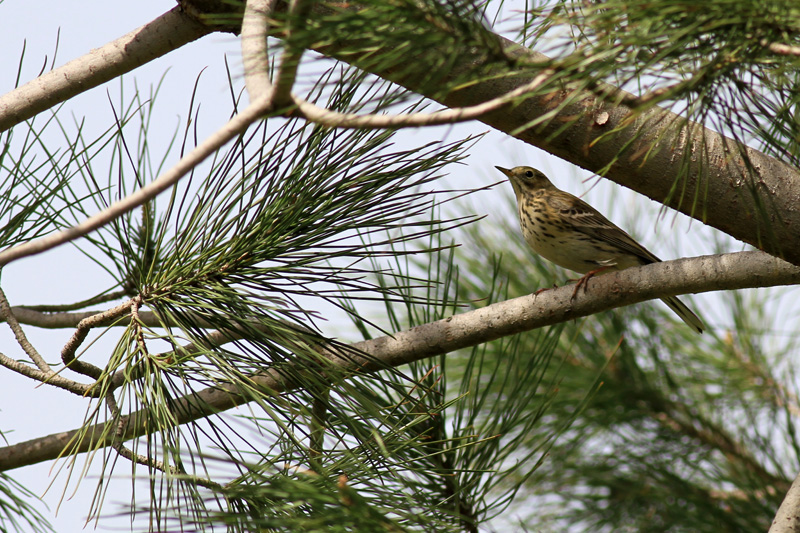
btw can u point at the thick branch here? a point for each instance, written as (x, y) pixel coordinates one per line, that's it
(700, 274)
(164, 34)
(645, 152)
(787, 520)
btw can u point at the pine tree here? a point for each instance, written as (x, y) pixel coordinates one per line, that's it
(309, 265)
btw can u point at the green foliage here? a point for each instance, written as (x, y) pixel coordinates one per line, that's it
(246, 247)
(36, 192)
(423, 41)
(16, 513)
(486, 442)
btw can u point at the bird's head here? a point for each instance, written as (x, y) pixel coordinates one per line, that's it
(526, 179)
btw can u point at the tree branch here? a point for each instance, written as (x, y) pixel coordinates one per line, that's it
(168, 32)
(153, 464)
(783, 49)
(234, 127)
(608, 291)
(8, 315)
(50, 378)
(334, 119)
(256, 71)
(647, 151)
(82, 331)
(290, 58)
(38, 319)
(787, 520)
(255, 56)
(60, 308)
(44, 373)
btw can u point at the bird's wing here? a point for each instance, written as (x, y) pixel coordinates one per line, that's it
(588, 220)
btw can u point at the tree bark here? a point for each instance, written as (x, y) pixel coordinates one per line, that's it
(787, 520)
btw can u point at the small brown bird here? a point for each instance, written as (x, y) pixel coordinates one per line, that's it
(572, 234)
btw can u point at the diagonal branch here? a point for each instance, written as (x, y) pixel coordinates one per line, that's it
(787, 519)
(234, 127)
(7, 313)
(700, 274)
(44, 372)
(166, 33)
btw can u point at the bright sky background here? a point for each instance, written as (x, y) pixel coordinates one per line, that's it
(60, 276)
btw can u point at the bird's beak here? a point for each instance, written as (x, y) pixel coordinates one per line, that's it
(515, 184)
(505, 171)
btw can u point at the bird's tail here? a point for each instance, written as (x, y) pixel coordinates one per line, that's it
(686, 314)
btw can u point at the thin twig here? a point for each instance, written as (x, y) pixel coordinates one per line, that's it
(334, 119)
(255, 55)
(137, 324)
(53, 379)
(44, 373)
(85, 325)
(94, 300)
(290, 59)
(130, 455)
(22, 339)
(255, 58)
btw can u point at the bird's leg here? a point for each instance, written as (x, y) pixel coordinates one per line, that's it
(583, 280)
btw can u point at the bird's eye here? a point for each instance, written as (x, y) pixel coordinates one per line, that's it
(529, 173)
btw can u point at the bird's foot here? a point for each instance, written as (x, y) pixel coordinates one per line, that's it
(584, 280)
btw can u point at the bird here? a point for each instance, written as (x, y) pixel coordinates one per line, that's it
(567, 231)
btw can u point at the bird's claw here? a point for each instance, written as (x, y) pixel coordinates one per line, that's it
(583, 281)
